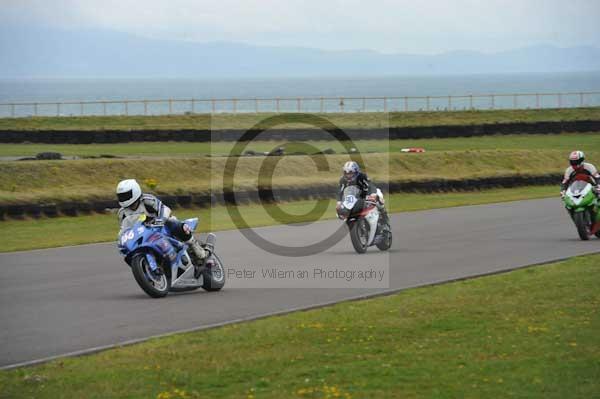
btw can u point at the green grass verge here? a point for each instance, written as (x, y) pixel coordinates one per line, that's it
(345, 120)
(48, 181)
(565, 142)
(62, 231)
(468, 339)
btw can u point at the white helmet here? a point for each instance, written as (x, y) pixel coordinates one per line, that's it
(576, 159)
(128, 191)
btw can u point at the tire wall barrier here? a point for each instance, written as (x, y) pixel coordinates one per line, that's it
(419, 132)
(264, 195)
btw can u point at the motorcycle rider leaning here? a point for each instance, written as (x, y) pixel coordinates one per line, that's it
(579, 167)
(133, 201)
(352, 176)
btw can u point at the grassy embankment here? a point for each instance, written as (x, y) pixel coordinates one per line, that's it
(468, 339)
(343, 120)
(447, 158)
(26, 234)
(47, 181)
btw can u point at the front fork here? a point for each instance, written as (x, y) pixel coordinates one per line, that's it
(594, 217)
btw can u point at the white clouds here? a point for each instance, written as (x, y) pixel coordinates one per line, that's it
(404, 26)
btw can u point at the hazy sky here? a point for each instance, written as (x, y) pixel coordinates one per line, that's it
(405, 26)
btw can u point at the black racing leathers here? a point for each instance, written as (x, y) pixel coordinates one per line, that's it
(362, 181)
(366, 188)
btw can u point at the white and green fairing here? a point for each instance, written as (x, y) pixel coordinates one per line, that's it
(580, 196)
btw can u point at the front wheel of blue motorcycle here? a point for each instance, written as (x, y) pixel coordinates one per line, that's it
(214, 274)
(155, 284)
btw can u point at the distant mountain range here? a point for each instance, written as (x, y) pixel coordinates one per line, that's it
(52, 53)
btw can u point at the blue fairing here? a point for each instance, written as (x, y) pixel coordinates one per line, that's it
(154, 241)
(151, 261)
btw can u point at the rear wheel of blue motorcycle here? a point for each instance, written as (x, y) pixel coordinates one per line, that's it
(154, 284)
(214, 275)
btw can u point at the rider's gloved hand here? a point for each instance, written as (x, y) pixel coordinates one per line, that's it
(562, 193)
(338, 207)
(158, 221)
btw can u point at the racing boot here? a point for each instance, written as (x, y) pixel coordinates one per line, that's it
(197, 253)
(381, 207)
(384, 214)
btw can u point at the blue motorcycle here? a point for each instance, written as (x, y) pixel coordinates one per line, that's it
(160, 263)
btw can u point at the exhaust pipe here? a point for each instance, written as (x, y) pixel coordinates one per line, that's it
(211, 240)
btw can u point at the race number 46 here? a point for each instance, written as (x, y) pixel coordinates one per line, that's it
(126, 237)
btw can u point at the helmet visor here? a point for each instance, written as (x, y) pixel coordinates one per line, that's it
(126, 196)
(576, 162)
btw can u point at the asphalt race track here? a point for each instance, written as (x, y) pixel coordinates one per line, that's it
(75, 299)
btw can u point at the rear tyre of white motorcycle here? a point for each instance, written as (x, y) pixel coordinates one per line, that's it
(139, 267)
(359, 235)
(214, 276)
(581, 222)
(386, 241)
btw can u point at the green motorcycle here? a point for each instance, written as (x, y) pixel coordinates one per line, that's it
(582, 204)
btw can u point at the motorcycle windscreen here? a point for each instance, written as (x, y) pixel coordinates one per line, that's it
(129, 222)
(351, 197)
(578, 186)
(192, 223)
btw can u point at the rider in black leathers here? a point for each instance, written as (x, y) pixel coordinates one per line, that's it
(352, 176)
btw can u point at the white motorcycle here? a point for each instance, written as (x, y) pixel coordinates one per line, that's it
(364, 221)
